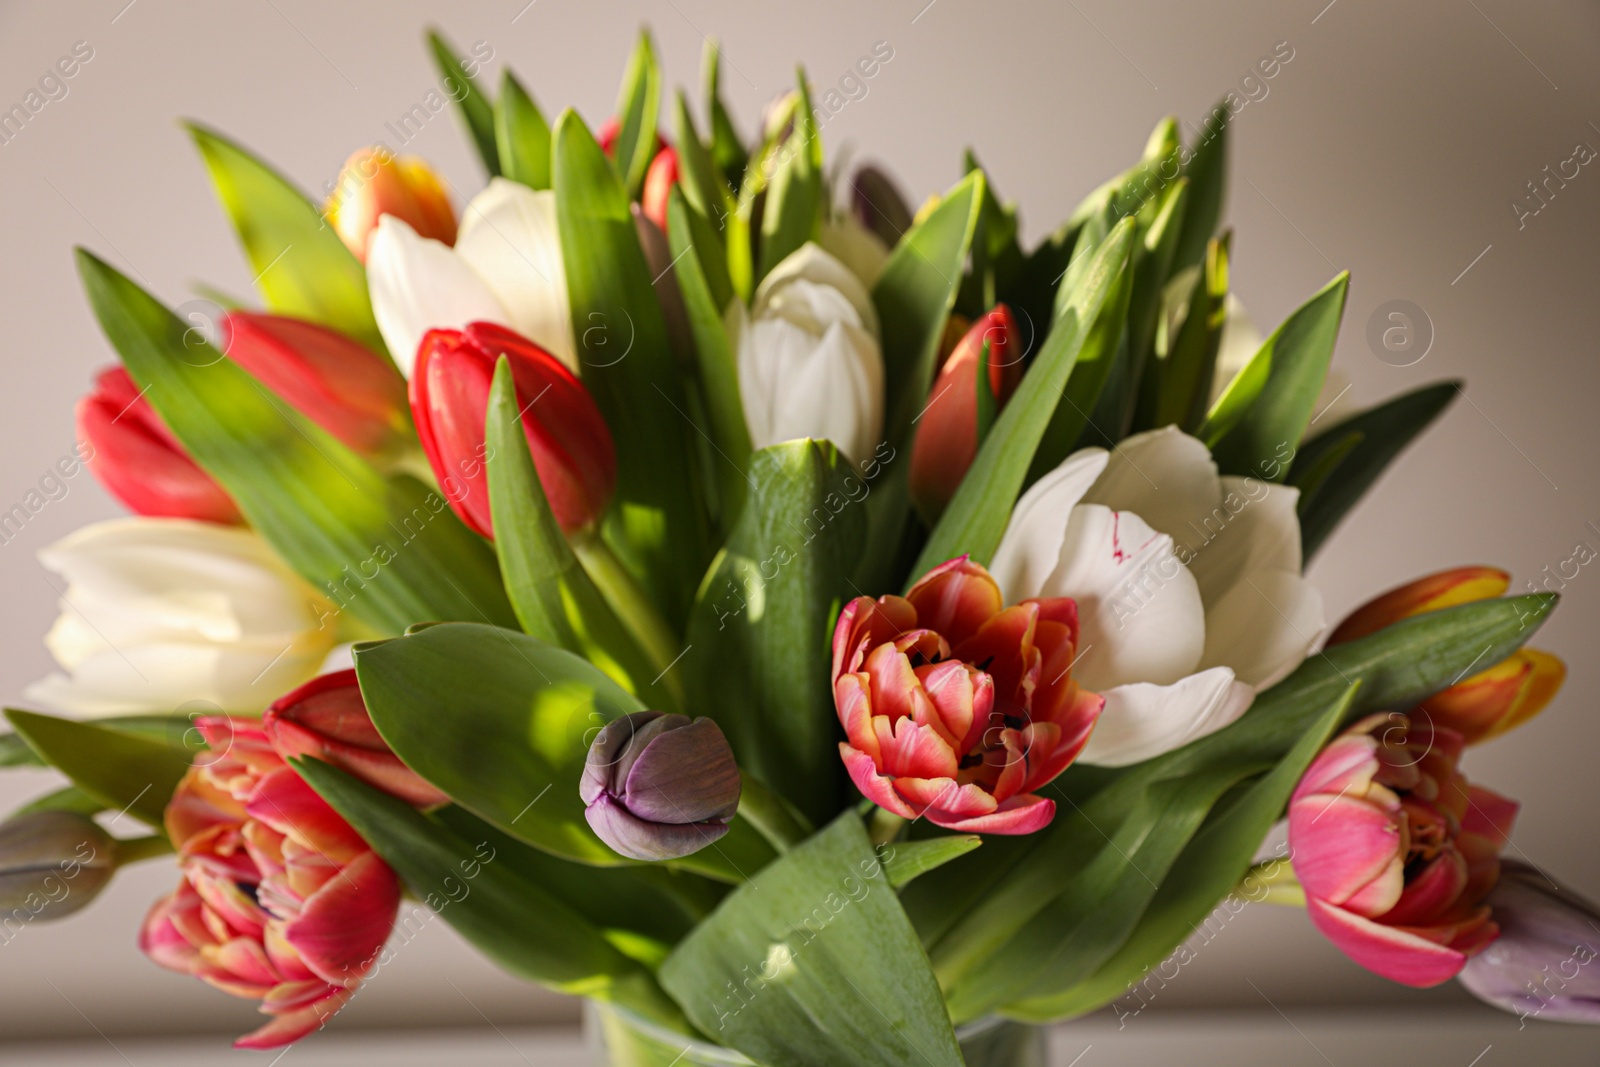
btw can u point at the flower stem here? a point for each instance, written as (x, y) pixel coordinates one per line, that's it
(1272, 882)
(138, 849)
(632, 605)
(772, 816)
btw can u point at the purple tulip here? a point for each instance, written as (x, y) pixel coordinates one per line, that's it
(1544, 963)
(658, 786)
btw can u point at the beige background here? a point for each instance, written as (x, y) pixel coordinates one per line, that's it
(1392, 144)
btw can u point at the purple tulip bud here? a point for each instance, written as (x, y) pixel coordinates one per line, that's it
(658, 786)
(878, 205)
(1543, 965)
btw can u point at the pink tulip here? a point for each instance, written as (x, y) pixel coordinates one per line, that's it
(1396, 851)
(280, 900)
(958, 708)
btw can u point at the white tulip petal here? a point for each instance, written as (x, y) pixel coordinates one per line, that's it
(1261, 533)
(1166, 478)
(1141, 721)
(1030, 549)
(1139, 611)
(1264, 626)
(418, 284)
(509, 237)
(810, 264)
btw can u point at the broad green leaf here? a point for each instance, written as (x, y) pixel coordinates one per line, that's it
(978, 513)
(1204, 873)
(638, 105)
(461, 85)
(702, 183)
(550, 591)
(504, 914)
(389, 550)
(502, 723)
(70, 798)
(1269, 403)
(904, 860)
(1207, 170)
(727, 147)
(1179, 384)
(120, 771)
(760, 637)
(833, 973)
(793, 210)
(1384, 431)
(16, 752)
(522, 136)
(302, 267)
(742, 237)
(657, 520)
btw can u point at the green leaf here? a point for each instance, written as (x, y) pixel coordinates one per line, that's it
(462, 87)
(120, 771)
(1180, 386)
(987, 403)
(727, 147)
(552, 594)
(504, 914)
(69, 798)
(1207, 171)
(904, 860)
(657, 521)
(1269, 404)
(978, 513)
(16, 752)
(793, 211)
(832, 971)
(388, 549)
(1384, 431)
(760, 633)
(638, 106)
(522, 136)
(997, 258)
(502, 723)
(702, 183)
(302, 267)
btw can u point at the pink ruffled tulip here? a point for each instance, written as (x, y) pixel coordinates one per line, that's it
(327, 719)
(1396, 851)
(280, 900)
(957, 707)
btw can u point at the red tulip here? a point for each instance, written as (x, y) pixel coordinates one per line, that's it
(956, 707)
(138, 459)
(947, 430)
(327, 718)
(341, 385)
(280, 898)
(373, 183)
(1396, 851)
(658, 183)
(571, 446)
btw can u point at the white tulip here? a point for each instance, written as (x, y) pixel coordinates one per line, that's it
(506, 268)
(161, 613)
(1188, 585)
(808, 357)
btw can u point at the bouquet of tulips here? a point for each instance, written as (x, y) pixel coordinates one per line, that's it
(802, 624)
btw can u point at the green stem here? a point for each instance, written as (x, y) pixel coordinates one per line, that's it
(773, 817)
(632, 605)
(884, 826)
(139, 849)
(1272, 882)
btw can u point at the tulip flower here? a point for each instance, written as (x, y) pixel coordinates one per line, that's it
(1543, 963)
(808, 357)
(947, 430)
(342, 386)
(1396, 851)
(138, 459)
(373, 183)
(280, 898)
(1491, 702)
(51, 864)
(326, 718)
(658, 786)
(571, 446)
(957, 708)
(856, 246)
(158, 613)
(506, 268)
(1188, 586)
(878, 205)
(658, 183)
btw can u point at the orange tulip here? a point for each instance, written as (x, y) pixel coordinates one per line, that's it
(375, 182)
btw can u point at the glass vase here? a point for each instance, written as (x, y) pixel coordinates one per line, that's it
(618, 1038)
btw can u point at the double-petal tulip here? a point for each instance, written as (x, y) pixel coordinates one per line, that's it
(571, 446)
(341, 385)
(138, 459)
(158, 613)
(327, 719)
(1188, 586)
(506, 268)
(808, 356)
(1505, 695)
(374, 182)
(947, 430)
(957, 708)
(1396, 851)
(280, 900)
(1543, 964)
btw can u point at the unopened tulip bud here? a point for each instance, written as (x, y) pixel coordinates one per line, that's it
(1435, 592)
(1543, 965)
(51, 864)
(138, 459)
(659, 786)
(658, 183)
(374, 183)
(327, 718)
(879, 205)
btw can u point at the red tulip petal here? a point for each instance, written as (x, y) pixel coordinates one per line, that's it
(287, 804)
(855, 713)
(1399, 955)
(955, 598)
(945, 794)
(876, 788)
(911, 750)
(1430, 892)
(345, 923)
(292, 1026)
(1489, 815)
(1020, 815)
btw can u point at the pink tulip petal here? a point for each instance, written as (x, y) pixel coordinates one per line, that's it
(876, 788)
(955, 801)
(291, 1026)
(1399, 955)
(1489, 814)
(345, 924)
(855, 712)
(1430, 892)
(287, 804)
(950, 690)
(1342, 845)
(1345, 766)
(955, 598)
(910, 750)
(1024, 814)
